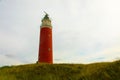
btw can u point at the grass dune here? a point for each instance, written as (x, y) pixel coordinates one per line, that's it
(94, 71)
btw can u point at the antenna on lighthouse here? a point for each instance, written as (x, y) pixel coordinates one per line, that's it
(46, 16)
(46, 13)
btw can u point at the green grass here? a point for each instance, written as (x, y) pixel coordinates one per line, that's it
(94, 71)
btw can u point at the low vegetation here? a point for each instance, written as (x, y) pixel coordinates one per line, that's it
(94, 71)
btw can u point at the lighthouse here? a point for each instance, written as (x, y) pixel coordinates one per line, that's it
(45, 44)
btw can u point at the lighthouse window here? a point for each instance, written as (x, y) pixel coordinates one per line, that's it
(48, 49)
(48, 35)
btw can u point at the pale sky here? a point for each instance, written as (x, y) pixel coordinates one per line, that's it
(84, 31)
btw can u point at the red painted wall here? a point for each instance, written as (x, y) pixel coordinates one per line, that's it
(45, 46)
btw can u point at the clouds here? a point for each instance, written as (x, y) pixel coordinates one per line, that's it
(83, 30)
(8, 60)
(92, 31)
(17, 33)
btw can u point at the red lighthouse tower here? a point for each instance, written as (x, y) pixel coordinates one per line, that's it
(45, 46)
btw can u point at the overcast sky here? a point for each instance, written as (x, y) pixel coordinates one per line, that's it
(84, 31)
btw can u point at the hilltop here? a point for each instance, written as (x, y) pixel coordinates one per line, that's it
(94, 71)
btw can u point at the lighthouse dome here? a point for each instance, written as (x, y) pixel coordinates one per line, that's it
(46, 21)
